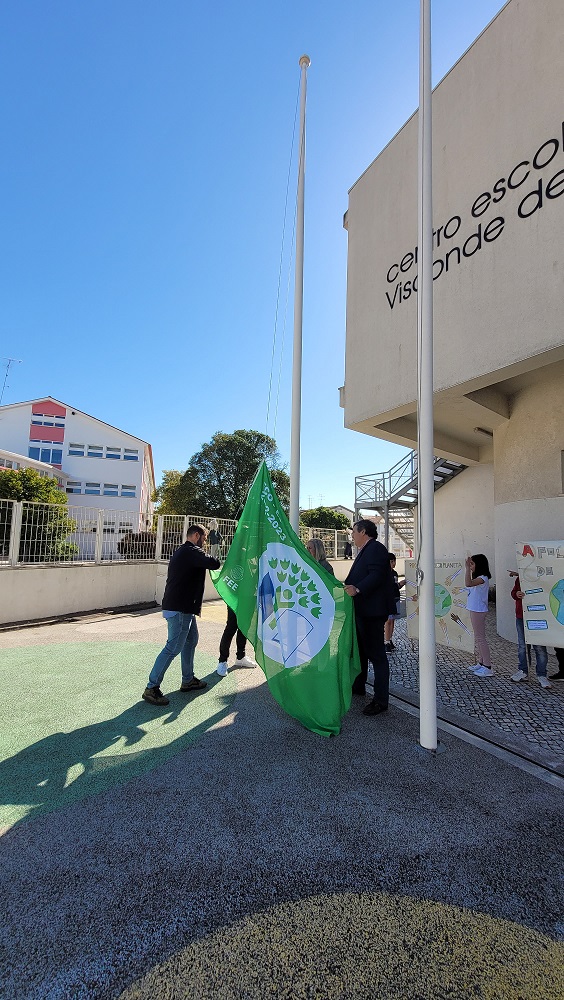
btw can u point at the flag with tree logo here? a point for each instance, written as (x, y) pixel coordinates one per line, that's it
(296, 614)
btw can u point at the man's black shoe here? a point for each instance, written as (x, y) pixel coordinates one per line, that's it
(373, 708)
(359, 691)
(557, 677)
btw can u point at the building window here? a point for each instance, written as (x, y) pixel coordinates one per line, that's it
(125, 526)
(7, 464)
(113, 452)
(76, 449)
(111, 490)
(128, 491)
(47, 423)
(93, 489)
(109, 528)
(95, 451)
(131, 454)
(53, 456)
(74, 487)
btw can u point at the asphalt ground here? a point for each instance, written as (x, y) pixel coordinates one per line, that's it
(216, 848)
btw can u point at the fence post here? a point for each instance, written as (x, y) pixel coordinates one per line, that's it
(159, 538)
(15, 533)
(335, 556)
(99, 537)
(185, 528)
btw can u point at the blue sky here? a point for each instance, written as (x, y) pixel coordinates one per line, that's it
(146, 149)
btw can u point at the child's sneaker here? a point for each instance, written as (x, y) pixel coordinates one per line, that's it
(222, 668)
(520, 676)
(244, 662)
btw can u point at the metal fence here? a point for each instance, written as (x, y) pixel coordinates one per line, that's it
(38, 533)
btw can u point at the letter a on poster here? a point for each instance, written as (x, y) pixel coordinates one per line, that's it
(541, 574)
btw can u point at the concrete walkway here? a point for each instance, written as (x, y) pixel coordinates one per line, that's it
(214, 848)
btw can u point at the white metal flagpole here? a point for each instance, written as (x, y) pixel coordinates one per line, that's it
(305, 62)
(426, 497)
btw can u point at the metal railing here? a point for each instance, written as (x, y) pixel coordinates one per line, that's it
(383, 486)
(54, 534)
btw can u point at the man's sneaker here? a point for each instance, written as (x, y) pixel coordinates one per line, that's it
(474, 666)
(520, 676)
(245, 661)
(544, 682)
(483, 672)
(193, 685)
(559, 676)
(222, 668)
(154, 696)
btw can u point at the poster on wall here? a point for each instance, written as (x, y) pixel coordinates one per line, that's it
(541, 574)
(452, 620)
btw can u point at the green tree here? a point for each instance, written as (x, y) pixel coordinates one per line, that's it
(178, 493)
(220, 475)
(44, 529)
(325, 517)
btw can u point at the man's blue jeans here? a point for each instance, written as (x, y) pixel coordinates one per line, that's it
(541, 654)
(183, 639)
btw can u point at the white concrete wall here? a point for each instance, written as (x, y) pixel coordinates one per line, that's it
(464, 515)
(519, 521)
(499, 106)
(30, 592)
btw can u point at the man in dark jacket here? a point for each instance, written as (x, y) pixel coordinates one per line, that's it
(182, 601)
(371, 585)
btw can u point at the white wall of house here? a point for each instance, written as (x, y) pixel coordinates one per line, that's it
(464, 515)
(498, 216)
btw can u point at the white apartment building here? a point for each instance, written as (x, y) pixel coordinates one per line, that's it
(498, 216)
(100, 466)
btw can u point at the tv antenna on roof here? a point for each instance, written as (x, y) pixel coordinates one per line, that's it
(9, 362)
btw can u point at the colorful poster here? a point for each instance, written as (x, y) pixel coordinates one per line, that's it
(541, 574)
(452, 620)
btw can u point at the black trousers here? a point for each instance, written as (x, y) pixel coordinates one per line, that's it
(228, 633)
(370, 635)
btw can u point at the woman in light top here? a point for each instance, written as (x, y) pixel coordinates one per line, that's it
(316, 549)
(477, 581)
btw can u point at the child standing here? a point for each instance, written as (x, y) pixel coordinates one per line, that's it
(477, 581)
(541, 655)
(389, 625)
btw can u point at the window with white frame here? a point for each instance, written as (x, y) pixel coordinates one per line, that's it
(128, 491)
(111, 490)
(50, 422)
(131, 454)
(73, 487)
(76, 449)
(95, 451)
(93, 489)
(113, 452)
(125, 526)
(53, 456)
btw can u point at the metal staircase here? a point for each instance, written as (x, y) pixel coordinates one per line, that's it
(393, 494)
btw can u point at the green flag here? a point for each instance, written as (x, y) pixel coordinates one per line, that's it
(296, 614)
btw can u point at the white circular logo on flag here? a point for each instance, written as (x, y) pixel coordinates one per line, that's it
(295, 609)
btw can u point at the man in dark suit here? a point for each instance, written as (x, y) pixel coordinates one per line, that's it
(371, 585)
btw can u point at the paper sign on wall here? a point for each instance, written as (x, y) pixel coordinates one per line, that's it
(452, 620)
(541, 573)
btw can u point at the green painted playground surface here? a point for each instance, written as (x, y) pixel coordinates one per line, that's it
(75, 723)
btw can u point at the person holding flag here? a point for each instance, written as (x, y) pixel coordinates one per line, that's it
(299, 620)
(371, 585)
